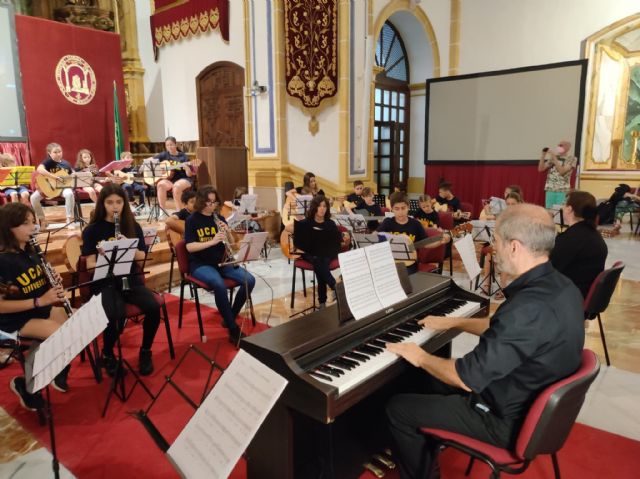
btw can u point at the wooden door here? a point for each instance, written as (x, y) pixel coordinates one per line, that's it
(220, 89)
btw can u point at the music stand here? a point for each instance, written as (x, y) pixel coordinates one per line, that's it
(152, 166)
(251, 247)
(80, 180)
(248, 204)
(117, 261)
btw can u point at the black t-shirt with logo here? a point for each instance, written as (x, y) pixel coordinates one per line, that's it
(23, 271)
(181, 157)
(412, 228)
(54, 166)
(432, 219)
(200, 228)
(103, 230)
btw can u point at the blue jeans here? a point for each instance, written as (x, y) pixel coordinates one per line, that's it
(134, 188)
(214, 279)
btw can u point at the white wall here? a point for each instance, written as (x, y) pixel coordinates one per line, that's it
(179, 64)
(500, 34)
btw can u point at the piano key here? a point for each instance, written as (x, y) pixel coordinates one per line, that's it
(379, 359)
(318, 375)
(356, 356)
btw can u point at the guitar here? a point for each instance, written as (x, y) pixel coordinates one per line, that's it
(51, 188)
(163, 170)
(288, 248)
(462, 215)
(461, 230)
(292, 207)
(125, 178)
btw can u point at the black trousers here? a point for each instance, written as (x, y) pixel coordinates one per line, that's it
(447, 408)
(323, 275)
(113, 302)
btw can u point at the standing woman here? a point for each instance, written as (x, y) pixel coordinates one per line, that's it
(180, 179)
(558, 164)
(113, 199)
(204, 238)
(86, 162)
(580, 252)
(318, 236)
(27, 305)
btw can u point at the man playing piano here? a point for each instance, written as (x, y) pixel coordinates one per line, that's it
(534, 338)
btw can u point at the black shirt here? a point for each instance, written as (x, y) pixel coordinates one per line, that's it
(103, 230)
(181, 157)
(452, 205)
(371, 210)
(579, 254)
(183, 214)
(356, 199)
(317, 239)
(413, 228)
(200, 228)
(54, 166)
(23, 270)
(431, 219)
(535, 338)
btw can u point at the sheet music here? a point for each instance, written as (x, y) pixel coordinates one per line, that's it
(53, 354)
(401, 246)
(358, 283)
(253, 242)
(468, 255)
(224, 424)
(384, 274)
(124, 257)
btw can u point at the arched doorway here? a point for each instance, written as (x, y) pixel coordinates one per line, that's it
(220, 89)
(391, 127)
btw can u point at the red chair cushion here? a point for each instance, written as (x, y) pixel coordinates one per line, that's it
(131, 310)
(303, 264)
(335, 264)
(486, 250)
(497, 454)
(428, 267)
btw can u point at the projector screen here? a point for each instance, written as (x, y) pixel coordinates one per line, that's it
(504, 116)
(12, 125)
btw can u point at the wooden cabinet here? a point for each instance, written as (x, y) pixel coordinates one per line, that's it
(223, 167)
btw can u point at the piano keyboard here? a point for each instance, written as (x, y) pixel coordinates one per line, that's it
(357, 365)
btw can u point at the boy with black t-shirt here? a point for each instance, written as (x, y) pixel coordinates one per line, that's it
(426, 214)
(177, 220)
(402, 223)
(446, 197)
(357, 196)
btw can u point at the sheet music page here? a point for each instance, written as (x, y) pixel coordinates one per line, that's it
(468, 255)
(224, 424)
(59, 349)
(384, 274)
(126, 253)
(358, 283)
(254, 242)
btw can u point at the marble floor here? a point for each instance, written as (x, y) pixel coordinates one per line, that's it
(611, 403)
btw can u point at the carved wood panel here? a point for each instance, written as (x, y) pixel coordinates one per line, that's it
(221, 105)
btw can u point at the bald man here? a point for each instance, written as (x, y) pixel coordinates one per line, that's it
(558, 164)
(534, 339)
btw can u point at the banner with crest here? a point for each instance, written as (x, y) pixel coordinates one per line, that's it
(311, 50)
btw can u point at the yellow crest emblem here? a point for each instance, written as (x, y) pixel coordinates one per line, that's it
(76, 79)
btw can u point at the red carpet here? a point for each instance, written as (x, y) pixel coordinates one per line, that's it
(119, 446)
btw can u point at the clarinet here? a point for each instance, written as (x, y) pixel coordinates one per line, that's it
(50, 273)
(227, 242)
(116, 224)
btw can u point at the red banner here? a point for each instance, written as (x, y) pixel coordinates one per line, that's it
(311, 50)
(67, 84)
(176, 19)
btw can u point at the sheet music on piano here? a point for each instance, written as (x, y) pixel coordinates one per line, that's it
(371, 279)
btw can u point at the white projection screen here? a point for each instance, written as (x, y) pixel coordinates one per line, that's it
(504, 116)
(12, 124)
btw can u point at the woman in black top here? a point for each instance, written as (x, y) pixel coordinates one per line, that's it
(180, 179)
(26, 303)
(580, 252)
(113, 199)
(318, 236)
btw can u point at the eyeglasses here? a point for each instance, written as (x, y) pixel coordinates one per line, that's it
(210, 202)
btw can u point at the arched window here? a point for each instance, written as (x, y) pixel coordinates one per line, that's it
(391, 111)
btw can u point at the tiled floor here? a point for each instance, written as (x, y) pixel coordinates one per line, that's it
(611, 404)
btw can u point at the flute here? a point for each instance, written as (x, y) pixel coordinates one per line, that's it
(220, 226)
(49, 272)
(116, 233)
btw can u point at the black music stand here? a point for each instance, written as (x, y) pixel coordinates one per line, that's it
(154, 212)
(77, 211)
(143, 414)
(118, 387)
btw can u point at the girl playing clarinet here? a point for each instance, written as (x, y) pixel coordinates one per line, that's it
(26, 302)
(111, 201)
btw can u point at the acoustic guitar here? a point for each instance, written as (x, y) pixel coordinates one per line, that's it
(163, 170)
(51, 188)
